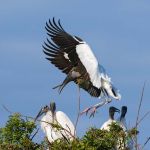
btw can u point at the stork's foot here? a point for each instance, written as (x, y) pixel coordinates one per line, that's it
(92, 109)
(85, 111)
(95, 107)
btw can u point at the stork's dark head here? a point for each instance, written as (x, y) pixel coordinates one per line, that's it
(52, 107)
(42, 111)
(123, 111)
(112, 111)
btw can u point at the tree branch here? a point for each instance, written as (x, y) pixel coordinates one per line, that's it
(33, 118)
(78, 115)
(138, 114)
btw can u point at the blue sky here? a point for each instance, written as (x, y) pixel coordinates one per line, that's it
(118, 32)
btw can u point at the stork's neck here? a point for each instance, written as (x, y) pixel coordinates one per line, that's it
(53, 116)
(111, 116)
(122, 118)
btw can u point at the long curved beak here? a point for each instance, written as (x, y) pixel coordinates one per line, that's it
(39, 114)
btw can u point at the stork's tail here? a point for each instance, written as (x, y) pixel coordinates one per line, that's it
(110, 90)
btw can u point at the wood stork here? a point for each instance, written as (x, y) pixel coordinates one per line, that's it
(74, 57)
(52, 117)
(122, 120)
(106, 125)
(124, 143)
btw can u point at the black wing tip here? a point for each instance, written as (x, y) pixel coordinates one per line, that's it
(54, 20)
(79, 39)
(52, 24)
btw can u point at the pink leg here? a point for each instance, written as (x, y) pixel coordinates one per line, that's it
(94, 108)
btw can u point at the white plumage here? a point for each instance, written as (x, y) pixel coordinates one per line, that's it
(51, 133)
(97, 73)
(106, 125)
(90, 62)
(72, 54)
(52, 117)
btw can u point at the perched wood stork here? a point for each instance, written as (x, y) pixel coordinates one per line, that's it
(106, 125)
(128, 142)
(50, 119)
(122, 120)
(74, 57)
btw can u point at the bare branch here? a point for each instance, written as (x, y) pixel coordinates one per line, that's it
(140, 104)
(145, 115)
(5, 108)
(57, 126)
(78, 115)
(138, 114)
(33, 118)
(148, 139)
(35, 134)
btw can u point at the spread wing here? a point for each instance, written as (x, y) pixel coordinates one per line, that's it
(62, 50)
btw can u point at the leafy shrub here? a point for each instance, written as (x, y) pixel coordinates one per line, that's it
(95, 139)
(17, 134)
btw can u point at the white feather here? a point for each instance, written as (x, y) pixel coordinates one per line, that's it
(106, 125)
(66, 123)
(66, 56)
(97, 73)
(90, 62)
(52, 133)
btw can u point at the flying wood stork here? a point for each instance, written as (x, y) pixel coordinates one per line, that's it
(106, 125)
(55, 124)
(74, 57)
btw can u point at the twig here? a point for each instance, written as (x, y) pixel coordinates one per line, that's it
(138, 113)
(146, 114)
(34, 134)
(139, 108)
(10, 112)
(78, 115)
(146, 142)
(56, 126)
(7, 109)
(33, 118)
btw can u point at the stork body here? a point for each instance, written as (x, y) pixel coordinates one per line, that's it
(51, 133)
(52, 118)
(74, 57)
(106, 125)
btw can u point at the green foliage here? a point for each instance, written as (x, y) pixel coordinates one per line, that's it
(94, 139)
(17, 134)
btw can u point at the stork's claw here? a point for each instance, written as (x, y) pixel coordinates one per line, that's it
(93, 111)
(94, 108)
(85, 111)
